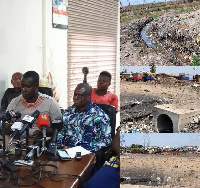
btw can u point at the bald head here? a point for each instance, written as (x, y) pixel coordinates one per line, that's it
(82, 96)
(85, 88)
(16, 80)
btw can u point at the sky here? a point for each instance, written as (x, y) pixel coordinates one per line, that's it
(137, 2)
(162, 139)
(164, 69)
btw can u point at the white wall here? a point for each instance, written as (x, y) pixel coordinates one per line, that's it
(118, 69)
(56, 55)
(22, 29)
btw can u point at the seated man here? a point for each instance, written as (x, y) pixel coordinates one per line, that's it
(11, 93)
(85, 124)
(31, 100)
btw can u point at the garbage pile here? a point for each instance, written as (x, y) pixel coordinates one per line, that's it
(176, 36)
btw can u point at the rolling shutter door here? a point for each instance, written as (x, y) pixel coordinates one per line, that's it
(92, 41)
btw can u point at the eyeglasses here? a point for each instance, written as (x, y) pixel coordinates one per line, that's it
(80, 96)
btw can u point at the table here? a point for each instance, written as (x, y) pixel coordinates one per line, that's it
(83, 168)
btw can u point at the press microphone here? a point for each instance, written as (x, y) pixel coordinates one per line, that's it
(9, 115)
(43, 123)
(33, 150)
(52, 150)
(16, 127)
(85, 71)
(28, 121)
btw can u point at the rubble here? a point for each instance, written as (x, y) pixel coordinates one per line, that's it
(175, 35)
(160, 170)
(137, 105)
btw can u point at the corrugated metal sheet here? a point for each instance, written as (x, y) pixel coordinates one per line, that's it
(92, 41)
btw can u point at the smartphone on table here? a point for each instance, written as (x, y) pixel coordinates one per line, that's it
(63, 154)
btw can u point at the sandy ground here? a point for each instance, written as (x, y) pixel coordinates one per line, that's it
(151, 170)
(137, 99)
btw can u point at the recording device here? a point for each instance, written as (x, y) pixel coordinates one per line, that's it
(21, 127)
(28, 121)
(9, 165)
(9, 115)
(52, 150)
(42, 124)
(78, 156)
(85, 71)
(63, 154)
(16, 127)
(32, 151)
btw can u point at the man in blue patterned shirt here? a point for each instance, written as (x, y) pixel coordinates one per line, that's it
(85, 124)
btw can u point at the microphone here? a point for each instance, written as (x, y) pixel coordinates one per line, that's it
(57, 127)
(33, 150)
(20, 127)
(43, 123)
(16, 127)
(9, 115)
(85, 71)
(28, 121)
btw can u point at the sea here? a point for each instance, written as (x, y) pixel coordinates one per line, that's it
(139, 2)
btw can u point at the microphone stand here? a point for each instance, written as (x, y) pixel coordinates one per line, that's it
(44, 148)
(85, 78)
(27, 138)
(52, 150)
(4, 136)
(4, 119)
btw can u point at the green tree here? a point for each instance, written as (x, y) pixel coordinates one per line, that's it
(124, 71)
(136, 146)
(152, 68)
(195, 61)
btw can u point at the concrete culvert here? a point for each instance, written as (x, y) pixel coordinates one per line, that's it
(164, 124)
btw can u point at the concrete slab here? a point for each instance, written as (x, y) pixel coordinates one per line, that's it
(172, 118)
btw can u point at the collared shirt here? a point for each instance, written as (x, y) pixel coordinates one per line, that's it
(90, 129)
(9, 94)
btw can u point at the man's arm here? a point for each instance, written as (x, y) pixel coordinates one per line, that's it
(103, 138)
(54, 114)
(54, 111)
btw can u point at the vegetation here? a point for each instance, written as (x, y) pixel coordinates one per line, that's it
(185, 9)
(124, 71)
(136, 146)
(195, 61)
(152, 68)
(132, 12)
(156, 16)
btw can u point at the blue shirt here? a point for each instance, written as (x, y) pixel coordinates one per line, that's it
(90, 129)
